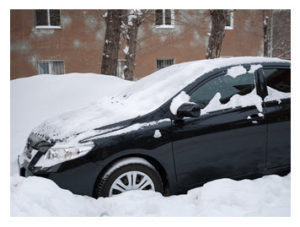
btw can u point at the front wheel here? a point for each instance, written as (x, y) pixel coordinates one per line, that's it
(127, 175)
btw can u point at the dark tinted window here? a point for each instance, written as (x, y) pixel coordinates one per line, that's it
(54, 17)
(158, 17)
(226, 85)
(162, 63)
(43, 67)
(47, 17)
(229, 19)
(168, 16)
(41, 17)
(278, 79)
(51, 67)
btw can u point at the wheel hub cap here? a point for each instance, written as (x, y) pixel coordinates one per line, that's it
(132, 180)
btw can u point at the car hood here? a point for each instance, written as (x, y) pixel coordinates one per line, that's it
(94, 119)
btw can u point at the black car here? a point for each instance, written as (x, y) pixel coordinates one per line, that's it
(173, 130)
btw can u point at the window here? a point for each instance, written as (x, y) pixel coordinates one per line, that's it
(51, 67)
(226, 86)
(47, 18)
(162, 63)
(164, 18)
(229, 21)
(278, 79)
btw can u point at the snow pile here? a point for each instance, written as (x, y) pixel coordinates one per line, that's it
(254, 68)
(236, 71)
(181, 98)
(157, 134)
(37, 98)
(267, 196)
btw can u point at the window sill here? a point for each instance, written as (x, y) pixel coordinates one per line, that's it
(164, 26)
(48, 27)
(228, 28)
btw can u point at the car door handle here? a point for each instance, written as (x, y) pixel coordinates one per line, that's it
(257, 116)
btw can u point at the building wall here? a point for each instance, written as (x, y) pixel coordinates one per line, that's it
(189, 39)
(79, 42)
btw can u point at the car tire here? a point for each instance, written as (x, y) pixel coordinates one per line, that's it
(126, 175)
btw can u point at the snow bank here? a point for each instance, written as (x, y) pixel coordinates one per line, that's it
(34, 99)
(267, 196)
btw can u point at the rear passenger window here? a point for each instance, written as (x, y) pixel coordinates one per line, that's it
(224, 92)
(278, 82)
(278, 79)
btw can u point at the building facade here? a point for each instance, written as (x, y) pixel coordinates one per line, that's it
(66, 41)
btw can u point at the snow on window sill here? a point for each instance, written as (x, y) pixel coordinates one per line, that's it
(228, 28)
(47, 27)
(164, 26)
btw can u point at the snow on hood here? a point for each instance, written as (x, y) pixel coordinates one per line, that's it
(137, 99)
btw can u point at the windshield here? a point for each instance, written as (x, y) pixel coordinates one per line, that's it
(150, 92)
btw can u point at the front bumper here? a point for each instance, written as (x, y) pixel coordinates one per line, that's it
(77, 175)
(26, 165)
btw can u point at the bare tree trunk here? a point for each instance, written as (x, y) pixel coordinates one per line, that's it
(133, 24)
(214, 48)
(280, 36)
(266, 29)
(111, 44)
(130, 26)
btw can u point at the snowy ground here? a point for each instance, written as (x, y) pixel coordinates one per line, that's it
(37, 98)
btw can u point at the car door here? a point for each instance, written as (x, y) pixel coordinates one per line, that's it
(229, 137)
(277, 108)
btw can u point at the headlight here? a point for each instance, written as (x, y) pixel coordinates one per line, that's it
(57, 155)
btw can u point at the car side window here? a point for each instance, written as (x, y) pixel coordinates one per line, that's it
(278, 79)
(278, 82)
(222, 90)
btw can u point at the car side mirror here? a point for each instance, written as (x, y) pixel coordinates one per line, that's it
(190, 109)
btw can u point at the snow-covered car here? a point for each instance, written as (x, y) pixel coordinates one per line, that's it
(173, 130)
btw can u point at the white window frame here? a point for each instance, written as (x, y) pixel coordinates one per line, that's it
(164, 25)
(50, 67)
(230, 27)
(164, 59)
(49, 26)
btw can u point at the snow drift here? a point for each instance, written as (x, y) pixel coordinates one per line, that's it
(267, 196)
(37, 98)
